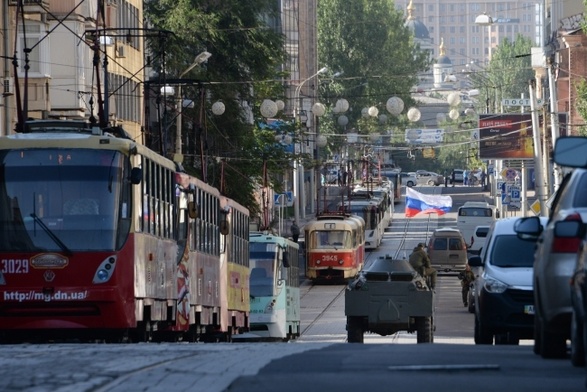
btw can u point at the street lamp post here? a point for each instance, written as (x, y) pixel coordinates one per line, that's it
(202, 57)
(486, 20)
(298, 171)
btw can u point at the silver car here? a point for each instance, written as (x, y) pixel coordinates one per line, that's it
(408, 179)
(556, 251)
(429, 178)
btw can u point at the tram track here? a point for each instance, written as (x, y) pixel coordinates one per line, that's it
(325, 303)
(326, 309)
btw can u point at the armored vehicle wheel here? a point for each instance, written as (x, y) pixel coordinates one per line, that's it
(482, 336)
(354, 326)
(424, 329)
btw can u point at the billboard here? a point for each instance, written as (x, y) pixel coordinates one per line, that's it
(424, 136)
(505, 136)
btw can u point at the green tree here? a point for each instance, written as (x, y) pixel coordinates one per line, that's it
(507, 75)
(367, 40)
(581, 88)
(246, 48)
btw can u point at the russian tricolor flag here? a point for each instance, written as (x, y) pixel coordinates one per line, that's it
(417, 202)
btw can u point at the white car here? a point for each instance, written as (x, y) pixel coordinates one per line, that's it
(504, 292)
(408, 179)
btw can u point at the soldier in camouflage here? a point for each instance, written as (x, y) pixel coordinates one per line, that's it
(420, 261)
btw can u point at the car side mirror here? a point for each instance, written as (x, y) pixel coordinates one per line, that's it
(475, 261)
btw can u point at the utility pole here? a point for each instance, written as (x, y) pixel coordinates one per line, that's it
(538, 167)
(554, 124)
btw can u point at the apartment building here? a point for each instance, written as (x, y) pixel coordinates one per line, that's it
(453, 21)
(55, 39)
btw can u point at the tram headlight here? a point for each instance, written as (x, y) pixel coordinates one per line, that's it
(102, 275)
(105, 270)
(317, 261)
(341, 262)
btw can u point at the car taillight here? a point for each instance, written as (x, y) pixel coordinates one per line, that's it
(566, 244)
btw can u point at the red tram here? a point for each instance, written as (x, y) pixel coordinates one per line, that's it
(102, 238)
(335, 246)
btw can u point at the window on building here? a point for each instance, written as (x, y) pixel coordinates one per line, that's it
(128, 17)
(34, 32)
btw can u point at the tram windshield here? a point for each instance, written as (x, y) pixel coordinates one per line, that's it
(331, 238)
(368, 213)
(61, 200)
(262, 261)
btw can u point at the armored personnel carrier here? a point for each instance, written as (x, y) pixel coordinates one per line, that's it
(386, 297)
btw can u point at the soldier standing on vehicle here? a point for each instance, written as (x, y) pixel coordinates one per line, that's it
(420, 261)
(467, 277)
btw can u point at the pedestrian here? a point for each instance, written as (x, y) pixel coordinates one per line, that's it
(465, 178)
(467, 277)
(295, 231)
(471, 178)
(420, 261)
(452, 177)
(344, 177)
(483, 178)
(445, 179)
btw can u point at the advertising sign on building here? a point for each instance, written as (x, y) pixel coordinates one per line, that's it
(509, 136)
(424, 136)
(505, 136)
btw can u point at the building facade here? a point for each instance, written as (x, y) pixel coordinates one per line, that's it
(66, 78)
(453, 21)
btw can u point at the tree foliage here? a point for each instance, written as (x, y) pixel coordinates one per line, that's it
(367, 40)
(507, 75)
(246, 53)
(581, 88)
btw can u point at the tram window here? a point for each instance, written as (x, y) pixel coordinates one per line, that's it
(261, 283)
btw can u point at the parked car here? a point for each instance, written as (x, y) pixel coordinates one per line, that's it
(556, 250)
(478, 239)
(458, 176)
(578, 295)
(331, 176)
(429, 178)
(408, 179)
(504, 298)
(447, 250)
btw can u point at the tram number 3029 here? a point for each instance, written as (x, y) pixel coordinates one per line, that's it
(14, 266)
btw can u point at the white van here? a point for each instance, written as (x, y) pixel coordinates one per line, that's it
(504, 296)
(473, 214)
(479, 235)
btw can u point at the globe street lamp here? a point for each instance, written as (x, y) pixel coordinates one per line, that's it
(298, 170)
(202, 57)
(486, 20)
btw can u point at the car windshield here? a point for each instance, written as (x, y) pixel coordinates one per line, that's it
(510, 251)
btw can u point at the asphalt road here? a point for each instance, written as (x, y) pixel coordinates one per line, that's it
(320, 360)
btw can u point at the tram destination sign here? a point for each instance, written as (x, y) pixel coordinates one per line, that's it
(519, 102)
